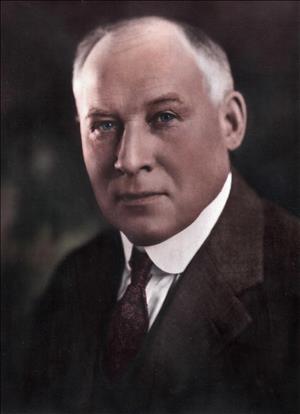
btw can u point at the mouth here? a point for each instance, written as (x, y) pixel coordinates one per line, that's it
(139, 198)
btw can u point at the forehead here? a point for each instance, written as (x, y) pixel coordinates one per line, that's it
(140, 64)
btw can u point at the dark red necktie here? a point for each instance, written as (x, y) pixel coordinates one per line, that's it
(129, 322)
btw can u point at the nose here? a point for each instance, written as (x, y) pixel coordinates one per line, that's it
(134, 152)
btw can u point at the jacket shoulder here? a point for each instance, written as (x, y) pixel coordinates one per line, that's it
(281, 224)
(93, 255)
(82, 275)
(95, 248)
(282, 245)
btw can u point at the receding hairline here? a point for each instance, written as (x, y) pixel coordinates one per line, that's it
(147, 29)
(211, 58)
(123, 27)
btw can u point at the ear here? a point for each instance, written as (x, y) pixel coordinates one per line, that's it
(233, 119)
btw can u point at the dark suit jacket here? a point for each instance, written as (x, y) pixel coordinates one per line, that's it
(225, 341)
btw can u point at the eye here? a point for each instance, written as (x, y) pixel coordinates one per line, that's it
(165, 117)
(105, 128)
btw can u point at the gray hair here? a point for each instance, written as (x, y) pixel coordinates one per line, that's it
(211, 58)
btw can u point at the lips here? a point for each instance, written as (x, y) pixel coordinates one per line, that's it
(139, 197)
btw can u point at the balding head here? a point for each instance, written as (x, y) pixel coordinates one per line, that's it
(210, 58)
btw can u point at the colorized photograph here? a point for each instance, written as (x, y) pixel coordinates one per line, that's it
(150, 205)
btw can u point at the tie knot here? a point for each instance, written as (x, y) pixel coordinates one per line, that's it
(140, 264)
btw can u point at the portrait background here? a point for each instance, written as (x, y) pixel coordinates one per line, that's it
(47, 206)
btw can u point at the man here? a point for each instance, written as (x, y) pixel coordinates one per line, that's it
(190, 304)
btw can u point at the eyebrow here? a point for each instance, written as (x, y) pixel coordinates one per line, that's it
(99, 112)
(165, 99)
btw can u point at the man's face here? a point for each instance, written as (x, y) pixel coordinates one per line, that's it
(151, 137)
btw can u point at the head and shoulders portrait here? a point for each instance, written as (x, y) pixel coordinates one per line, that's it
(187, 301)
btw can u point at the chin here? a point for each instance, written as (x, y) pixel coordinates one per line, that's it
(145, 237)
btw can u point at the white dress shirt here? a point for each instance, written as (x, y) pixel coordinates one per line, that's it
(171, 257)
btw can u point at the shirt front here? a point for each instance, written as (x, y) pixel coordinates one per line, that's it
(171, 257)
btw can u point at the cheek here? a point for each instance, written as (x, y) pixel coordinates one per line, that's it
(193, 160)
(98, 159)
(90, 160)
(182, 156)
